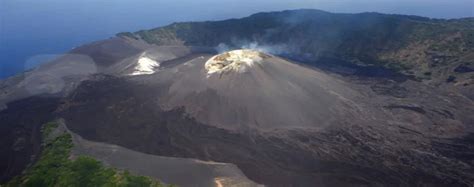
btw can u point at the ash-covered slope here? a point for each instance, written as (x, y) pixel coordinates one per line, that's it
(245, 89)
(30, 99)
(282, 123)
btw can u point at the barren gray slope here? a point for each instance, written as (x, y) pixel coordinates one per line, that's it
(62, 74)
(270, 95)
(179, 171)
(122, 112)
(408, 138)
(383, 133)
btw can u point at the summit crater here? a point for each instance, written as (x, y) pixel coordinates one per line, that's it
(236, 60)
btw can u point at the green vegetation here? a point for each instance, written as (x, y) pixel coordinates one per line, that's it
(400, 43)
(55, 168)
(127, 34)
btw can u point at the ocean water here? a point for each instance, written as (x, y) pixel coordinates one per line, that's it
(33, 31)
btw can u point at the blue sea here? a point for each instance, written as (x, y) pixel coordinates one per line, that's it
(33, 31)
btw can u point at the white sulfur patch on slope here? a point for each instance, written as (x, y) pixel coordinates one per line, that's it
(145, 66)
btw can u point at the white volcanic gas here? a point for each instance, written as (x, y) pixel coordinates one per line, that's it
(236, 60)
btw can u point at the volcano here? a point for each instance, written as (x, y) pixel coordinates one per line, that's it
(316, 103)
(246, 89)
(257, 110)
